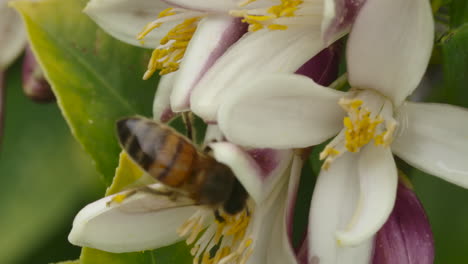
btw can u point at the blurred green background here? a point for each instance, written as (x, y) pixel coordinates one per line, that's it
(45, 177)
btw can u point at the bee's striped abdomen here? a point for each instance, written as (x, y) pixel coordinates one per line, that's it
(163, 153)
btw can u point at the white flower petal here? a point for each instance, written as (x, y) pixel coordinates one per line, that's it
(12, 35)
(258, 170)
(378, 180)
(390, 45)
(333, 203)
(205, 5)
(161, 105)
(213, 134)
(250, 57)
(280, 249)
(267, 217)
(136, 224)
(434, 139)
(281, 111)
(214, 35)
(124, 19)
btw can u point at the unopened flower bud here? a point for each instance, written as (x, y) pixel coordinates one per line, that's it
(323, 67)
(35, 86)
(406, 237)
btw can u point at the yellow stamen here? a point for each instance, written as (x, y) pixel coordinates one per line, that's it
(229, 234)
(287, 8)
(168, 55)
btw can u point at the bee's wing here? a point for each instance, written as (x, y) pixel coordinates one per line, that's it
(158, 149)
(150, 198)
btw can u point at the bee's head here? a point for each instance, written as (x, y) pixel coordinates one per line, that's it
(217, 188)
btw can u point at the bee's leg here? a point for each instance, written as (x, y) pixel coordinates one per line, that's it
(166, 192)
(187, 117)
(206, 149)
(148, 189)
(119, 198)
(218, 216)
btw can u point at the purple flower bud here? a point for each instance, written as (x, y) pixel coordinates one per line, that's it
(406, 237)
(323, 67)
(35, 86)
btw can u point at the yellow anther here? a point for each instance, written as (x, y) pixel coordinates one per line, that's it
(257, 21)
(277, 27)
(360, 129)
(258, 18)
(206, 258)
(221, 253)
(167, 12)
(329, 152)
(355, 104)
(248, 242)
(167, 57)
(150, 26)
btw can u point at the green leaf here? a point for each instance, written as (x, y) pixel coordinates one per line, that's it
(455, 66)
(46, 178)
(96, 78)
(68, 262)
(174, 254)
(458, 13)
(445, 202)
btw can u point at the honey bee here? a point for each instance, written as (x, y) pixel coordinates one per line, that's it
(173, 160)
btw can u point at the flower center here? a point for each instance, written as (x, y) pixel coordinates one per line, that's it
(370, 118)
(281, 16)
(222, 241)
(168, 55)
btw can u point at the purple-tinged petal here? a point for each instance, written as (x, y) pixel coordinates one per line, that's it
(35, 86)
(339, 15)
(257, 170)
(214, 35)
(255, 54)
(389, 46)
(161, 105)
(302, 253)
(323, 67)
(406, 237)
